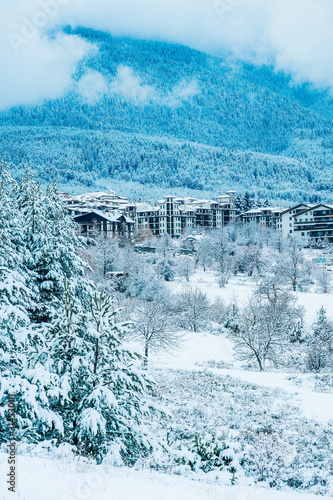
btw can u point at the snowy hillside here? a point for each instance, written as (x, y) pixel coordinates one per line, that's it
(205, 388)
(203, 365)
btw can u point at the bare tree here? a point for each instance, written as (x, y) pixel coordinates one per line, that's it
(153, 325)
(324, 279)
(185, 267)
(219, 312)
(165, 246)
(204, 255)
(192, 309)
(140, 279)
(217, 248)
(104, 257)
(290, 264)
(251, 260)
(265, 326)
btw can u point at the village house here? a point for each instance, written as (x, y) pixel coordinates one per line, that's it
(286, 223)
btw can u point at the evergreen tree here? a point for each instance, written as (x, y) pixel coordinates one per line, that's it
(19, 379)
(238, 205)
(106, 400)
(10, 221)
(320, 353)
(51, 245)
(22, 376)
(247, 202)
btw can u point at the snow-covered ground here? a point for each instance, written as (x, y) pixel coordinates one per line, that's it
(206, 351)
(202, 358)
(237, 290)
(200, 349)
(240, 288)
(42, 479)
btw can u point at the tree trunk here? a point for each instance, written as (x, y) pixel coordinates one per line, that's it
(145, 359)
(260, 363)
(96, 359)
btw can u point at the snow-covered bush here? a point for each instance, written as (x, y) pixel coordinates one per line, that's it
(208, 454)
(267, 456)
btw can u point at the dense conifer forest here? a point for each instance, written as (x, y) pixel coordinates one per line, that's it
(165, 115)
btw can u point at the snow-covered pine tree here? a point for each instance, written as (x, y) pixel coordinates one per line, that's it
(320, 353)
(29, 200)
(106, 403)
(18, 378)
(51, 245)
(247, 202)
(59, 259)
(22, 377)
(13, 292)
(238, 205)
(10, 221)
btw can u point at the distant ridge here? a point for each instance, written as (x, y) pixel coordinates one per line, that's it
(166, 115)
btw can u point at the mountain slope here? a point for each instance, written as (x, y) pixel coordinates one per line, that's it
(168, 115)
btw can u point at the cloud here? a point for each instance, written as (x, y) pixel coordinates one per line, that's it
(296, 36)
(92, 87)
(35, 66)
(183, 92)
(130, 86)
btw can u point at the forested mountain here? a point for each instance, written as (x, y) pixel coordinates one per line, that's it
(170, 116)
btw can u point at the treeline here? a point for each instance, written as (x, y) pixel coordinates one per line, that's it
(94, 158)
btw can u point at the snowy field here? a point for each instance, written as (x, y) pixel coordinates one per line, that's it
(239, 289)
(201, 385)
(40, 479)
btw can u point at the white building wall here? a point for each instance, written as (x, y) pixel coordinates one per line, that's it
(287, 224)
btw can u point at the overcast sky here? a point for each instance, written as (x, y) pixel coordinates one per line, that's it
(296, 36)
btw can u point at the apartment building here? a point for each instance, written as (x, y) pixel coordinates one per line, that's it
(265, 216)
(112, 225)
(315, 222)
(171, 215)
(286, 222)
